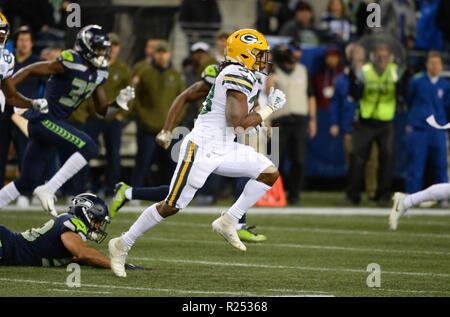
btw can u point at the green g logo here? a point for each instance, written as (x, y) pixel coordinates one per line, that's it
(249, 38)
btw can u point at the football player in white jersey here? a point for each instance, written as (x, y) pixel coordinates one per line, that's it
(13, 97)
(210, 147)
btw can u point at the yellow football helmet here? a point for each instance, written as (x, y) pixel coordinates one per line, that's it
(249, 48)
(4, 30)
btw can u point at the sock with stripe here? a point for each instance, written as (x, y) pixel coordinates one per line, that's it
(253, 191)
(435, 192)
(73, 164)
(147, 220)
(7, 194)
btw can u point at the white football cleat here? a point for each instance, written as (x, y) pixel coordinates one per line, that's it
(47, 199)
(228, 232)
(398, 210)
(118, 253)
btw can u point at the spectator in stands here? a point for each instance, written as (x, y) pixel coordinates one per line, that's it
(157, 87)
(296, 119)
(199, 55)
(219, 50)
(111, 126)
(429, 37)
(398, 18)
(200, 20)
(376, 89)
(334, 25)
(428, 94)
(357, 15)
(31, 88)
(324, 80)
(301, 28)
(342, 113)
(149, 55)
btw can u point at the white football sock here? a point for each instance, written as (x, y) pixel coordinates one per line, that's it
(7, 194)
(253, 191)
(73, 164)
(147, 220)
(129, 193)
(435, 192)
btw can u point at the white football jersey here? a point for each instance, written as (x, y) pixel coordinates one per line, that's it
(7, 63)
(211, 128)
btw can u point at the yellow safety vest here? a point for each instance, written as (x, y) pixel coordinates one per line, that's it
(378, 101)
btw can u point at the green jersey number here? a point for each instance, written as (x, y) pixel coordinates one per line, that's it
(81, 91)
(208, 101)
(33, 234)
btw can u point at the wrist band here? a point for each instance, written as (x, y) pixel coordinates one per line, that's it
(265, 112)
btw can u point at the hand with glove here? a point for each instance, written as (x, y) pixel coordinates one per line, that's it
(40, 105)
(276, 101)
(164, 138)
(124, 96)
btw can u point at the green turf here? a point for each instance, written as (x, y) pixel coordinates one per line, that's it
(303, 255)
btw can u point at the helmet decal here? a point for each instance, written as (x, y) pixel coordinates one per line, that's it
(249, 38)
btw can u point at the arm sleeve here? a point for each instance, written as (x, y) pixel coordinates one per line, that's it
(310, 91)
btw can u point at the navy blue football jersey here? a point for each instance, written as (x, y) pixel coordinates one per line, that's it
(65, 92)
(40, 246)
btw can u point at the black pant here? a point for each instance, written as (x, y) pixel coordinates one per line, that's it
(293, 142)
(364, 133)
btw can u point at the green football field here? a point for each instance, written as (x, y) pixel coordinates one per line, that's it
(305, 255)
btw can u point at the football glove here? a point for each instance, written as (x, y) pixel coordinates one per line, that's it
(40, 105)
(164, 138)
(124, 96)
(276, 101)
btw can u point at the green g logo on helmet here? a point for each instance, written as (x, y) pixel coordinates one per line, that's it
(249, 38)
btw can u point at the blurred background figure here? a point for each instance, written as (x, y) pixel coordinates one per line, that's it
(357, 15)
(50, 53)
(376, 89)
(296, 120)
(159, 84)
(149, 55)
(301, 27)
(398, 18)
(324, 80)
(342, 113)
(428, 94)
(334, 24)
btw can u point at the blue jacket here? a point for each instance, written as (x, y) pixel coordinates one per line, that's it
(342, 108)
(425, 99)
(428, 35)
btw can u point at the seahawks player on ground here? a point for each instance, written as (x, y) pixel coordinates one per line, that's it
(62, 239)
(74, 76)
(125, 193)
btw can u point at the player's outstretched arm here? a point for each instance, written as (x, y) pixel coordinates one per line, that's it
(39, 69)
(13, 97)
(194, 92)
(82, 252)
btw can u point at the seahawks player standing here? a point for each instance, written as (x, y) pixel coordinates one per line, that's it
(75, 76)
(60, 240)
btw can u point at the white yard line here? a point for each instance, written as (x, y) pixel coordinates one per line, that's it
(343, 211)
(76, 291)
(284, 267)
(305, 246)
(145, 289)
